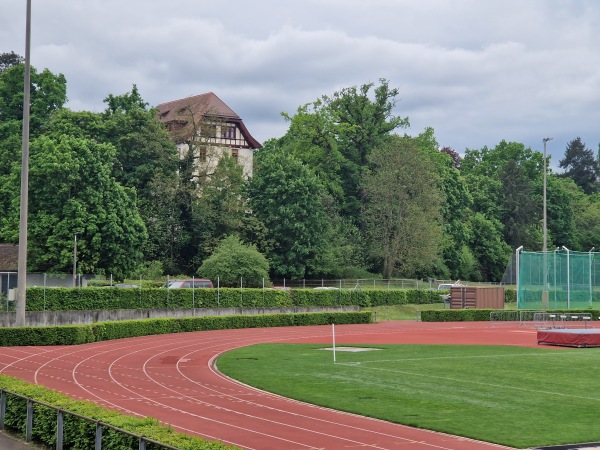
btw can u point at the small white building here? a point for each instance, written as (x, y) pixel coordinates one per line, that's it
(205, 124)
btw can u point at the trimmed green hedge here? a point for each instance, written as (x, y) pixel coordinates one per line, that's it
(95, 298)
(80, 434)
(482, 315)
(103, 331)
(456, 315)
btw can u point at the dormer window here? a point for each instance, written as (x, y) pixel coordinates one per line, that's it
(228, 132)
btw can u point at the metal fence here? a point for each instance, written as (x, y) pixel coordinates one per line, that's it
(60, 422)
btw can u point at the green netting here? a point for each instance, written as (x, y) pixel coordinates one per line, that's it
(571, 280)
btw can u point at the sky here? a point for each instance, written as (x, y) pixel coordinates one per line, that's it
(475, 71)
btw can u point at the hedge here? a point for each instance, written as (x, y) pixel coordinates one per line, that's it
(102, 331)
(482, 315)
(80, 434)
(96, 298)
(456, 315)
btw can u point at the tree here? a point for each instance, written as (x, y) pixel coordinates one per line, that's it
(453, 154)
(586, 217)
(48, 94)
(144, 148)
(145, 160)
(233, 261)
(581, 165)
(561, 215)
(402, 208)
(490, 250)
(287, 197)
(520, 210)
(335, 135)
(220, 208)
(71, 190)
(506, 185)
(312, 138)
(456, 211)
(8, 60)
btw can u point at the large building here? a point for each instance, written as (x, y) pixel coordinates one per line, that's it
(209, 128)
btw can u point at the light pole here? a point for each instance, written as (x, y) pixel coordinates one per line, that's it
(545, 233)
(24, 199)
(545, 239)
(75, 259)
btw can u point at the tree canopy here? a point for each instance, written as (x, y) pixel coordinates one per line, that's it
(340, 194)
(581, 166)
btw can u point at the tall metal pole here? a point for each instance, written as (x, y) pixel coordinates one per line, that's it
(568, 278)
(545, 210)
(22, 255)
(545, 233)
(75, 260)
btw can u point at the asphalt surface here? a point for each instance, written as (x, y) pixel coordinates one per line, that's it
(9, 442)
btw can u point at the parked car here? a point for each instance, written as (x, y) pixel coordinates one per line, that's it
(196, 283)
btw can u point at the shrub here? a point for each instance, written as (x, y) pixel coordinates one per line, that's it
(232, 260)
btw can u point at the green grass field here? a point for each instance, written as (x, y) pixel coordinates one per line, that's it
(520, 397)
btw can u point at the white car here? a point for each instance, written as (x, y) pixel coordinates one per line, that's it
(197, 283)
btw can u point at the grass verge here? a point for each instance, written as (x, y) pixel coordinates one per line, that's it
(520, 397)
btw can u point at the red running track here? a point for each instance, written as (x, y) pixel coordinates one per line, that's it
(173, 379)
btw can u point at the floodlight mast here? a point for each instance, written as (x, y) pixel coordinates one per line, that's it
(23, 210)
(545, 232)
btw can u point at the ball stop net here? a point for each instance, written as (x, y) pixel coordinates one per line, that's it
(558, 280)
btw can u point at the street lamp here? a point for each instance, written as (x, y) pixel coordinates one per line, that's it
(75, 258)
(545, 233)
(24, 199)
(545, 216)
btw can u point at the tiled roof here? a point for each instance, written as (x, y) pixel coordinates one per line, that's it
(199, 105)
(9, 257)
(179, 113)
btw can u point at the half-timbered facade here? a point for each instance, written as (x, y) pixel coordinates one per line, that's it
(209, 128)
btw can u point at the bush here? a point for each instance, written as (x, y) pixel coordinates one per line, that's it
(104, 331)
(80, 433)
(456, 315)
(232, 260)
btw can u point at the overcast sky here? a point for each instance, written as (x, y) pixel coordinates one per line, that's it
(475, 71)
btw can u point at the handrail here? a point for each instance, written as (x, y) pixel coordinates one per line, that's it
(59, 421)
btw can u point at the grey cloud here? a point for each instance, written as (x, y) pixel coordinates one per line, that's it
(477, 72)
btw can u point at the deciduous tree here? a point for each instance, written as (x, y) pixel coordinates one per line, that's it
(402, 209)
(234, 262)
(287, 197)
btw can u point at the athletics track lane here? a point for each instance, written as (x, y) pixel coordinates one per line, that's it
(173, 379)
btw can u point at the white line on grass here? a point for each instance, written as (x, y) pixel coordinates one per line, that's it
(562, 355)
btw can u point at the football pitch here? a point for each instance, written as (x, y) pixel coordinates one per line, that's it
(515, 396)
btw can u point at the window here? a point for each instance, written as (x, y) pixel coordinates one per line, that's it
(202, 153)
(228, 132)
(234, 153)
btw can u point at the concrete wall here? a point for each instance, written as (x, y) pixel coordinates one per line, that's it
(54, 318)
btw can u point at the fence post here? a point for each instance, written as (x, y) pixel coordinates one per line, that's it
(2, 407)
(60, 416)
(29, 420)
(98, 443)
(142, 443)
